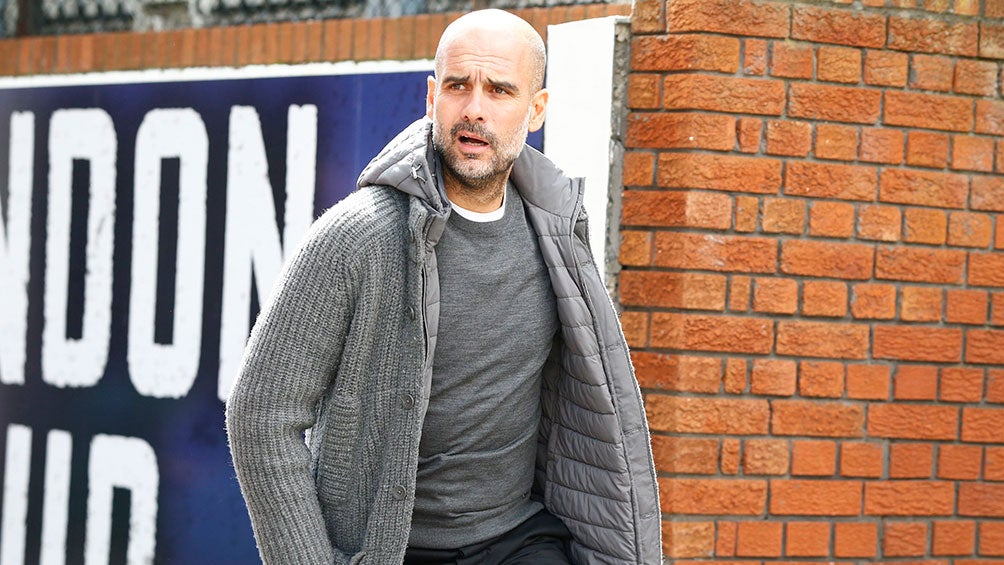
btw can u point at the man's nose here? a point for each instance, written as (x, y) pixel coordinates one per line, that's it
(474, 110)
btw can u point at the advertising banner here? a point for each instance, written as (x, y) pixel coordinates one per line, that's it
(143, 218)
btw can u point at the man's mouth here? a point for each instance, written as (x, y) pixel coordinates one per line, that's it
(471, 140)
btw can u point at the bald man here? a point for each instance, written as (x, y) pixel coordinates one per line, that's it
(446, 344)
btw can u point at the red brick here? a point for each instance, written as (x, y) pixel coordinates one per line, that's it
(688, 539)
(923, 188)
(790, 138)
(807, 539)
(644, 91)
(677, 414)
(915, 382)
(765, 457)
(823, 180)
(886, 68)
(854, 539)
(927, 149)
(911, 460)
(827, 259)
(679, 373)
(648, 16)
(754, 57)
(821, 379)
(711, 333)
(881, 223)
(932, 111)
(953, 538)
(859, 459)
(691, 291)
(986, 269)
(991, 539)
(715, 252)
(968, 229)
(725, 545)
(748, 130)
(991, 40)
(912, 421)
(982, 425)
(825, 298)
(909, 498)
(908, 343)
(931, 35)
(813, 458)
(920, 264)
(713, 496)
(981, 499)
(636, 248)
(735, 375)
(816, 418)
(822, 339)
(723, 94)
(783, 215)
(719, 172)
(639, 168)
(868, 382)
(692, 52)
(834, 103)
(844, 27)
(635, 327)
(708, 210)
(966, 306)
(959, 462)
(925, 226)
(879, 145)
(774, 295)
(932, 72)
(739, 293)
(685, 455)
(759, 539)
(975, 77)
(874, 301)
(836, 142)
(994, 10)
(791, 60)
(990, 117)
(997, 309)
(987, 193)
(973, 153)
(921, 304)
(904, 539)
(731, 17)
(967, 7)
(839, 64)
(729, 460)
(815, 497)
(831, 219)
(773, 377)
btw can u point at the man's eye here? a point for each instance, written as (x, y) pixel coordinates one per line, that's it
(500, 90)
(457, 86)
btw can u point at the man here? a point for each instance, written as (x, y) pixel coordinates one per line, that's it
(445, 341)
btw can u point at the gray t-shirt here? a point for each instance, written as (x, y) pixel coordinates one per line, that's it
(497, 319)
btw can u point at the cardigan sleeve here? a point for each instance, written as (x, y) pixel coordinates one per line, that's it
(288, 364)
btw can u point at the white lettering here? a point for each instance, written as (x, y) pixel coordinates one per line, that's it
(128, 463)
(15, 243)
(17, 463)
(56, 506)
(79, 134)
(168, 370)
(251, 241)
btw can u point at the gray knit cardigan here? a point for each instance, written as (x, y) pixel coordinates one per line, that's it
(342, 352)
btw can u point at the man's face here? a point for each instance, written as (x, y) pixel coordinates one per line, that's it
(482, 106)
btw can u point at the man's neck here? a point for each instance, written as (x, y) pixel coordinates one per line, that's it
(481, 199)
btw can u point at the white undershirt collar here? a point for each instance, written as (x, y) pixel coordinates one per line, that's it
(481, 217)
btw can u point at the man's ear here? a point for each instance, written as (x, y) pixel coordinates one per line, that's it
(538, 109)
(430, 97)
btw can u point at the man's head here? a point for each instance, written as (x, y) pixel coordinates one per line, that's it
(486, 96)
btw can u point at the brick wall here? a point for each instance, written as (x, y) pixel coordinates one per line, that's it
(813, 279)
(406, 38)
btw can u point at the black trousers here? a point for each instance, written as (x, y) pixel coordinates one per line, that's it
(541, 540)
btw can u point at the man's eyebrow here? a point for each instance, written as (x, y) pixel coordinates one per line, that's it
(505, 85)
(453, 79)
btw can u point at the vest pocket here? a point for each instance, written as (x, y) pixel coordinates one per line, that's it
(338, 451)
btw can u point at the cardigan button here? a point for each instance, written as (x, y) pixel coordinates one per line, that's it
(407, 401)
(399, 492)
(411, 312)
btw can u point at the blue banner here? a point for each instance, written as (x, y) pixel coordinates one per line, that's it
(141, 224)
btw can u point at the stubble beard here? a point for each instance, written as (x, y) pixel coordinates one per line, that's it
(481, 178)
